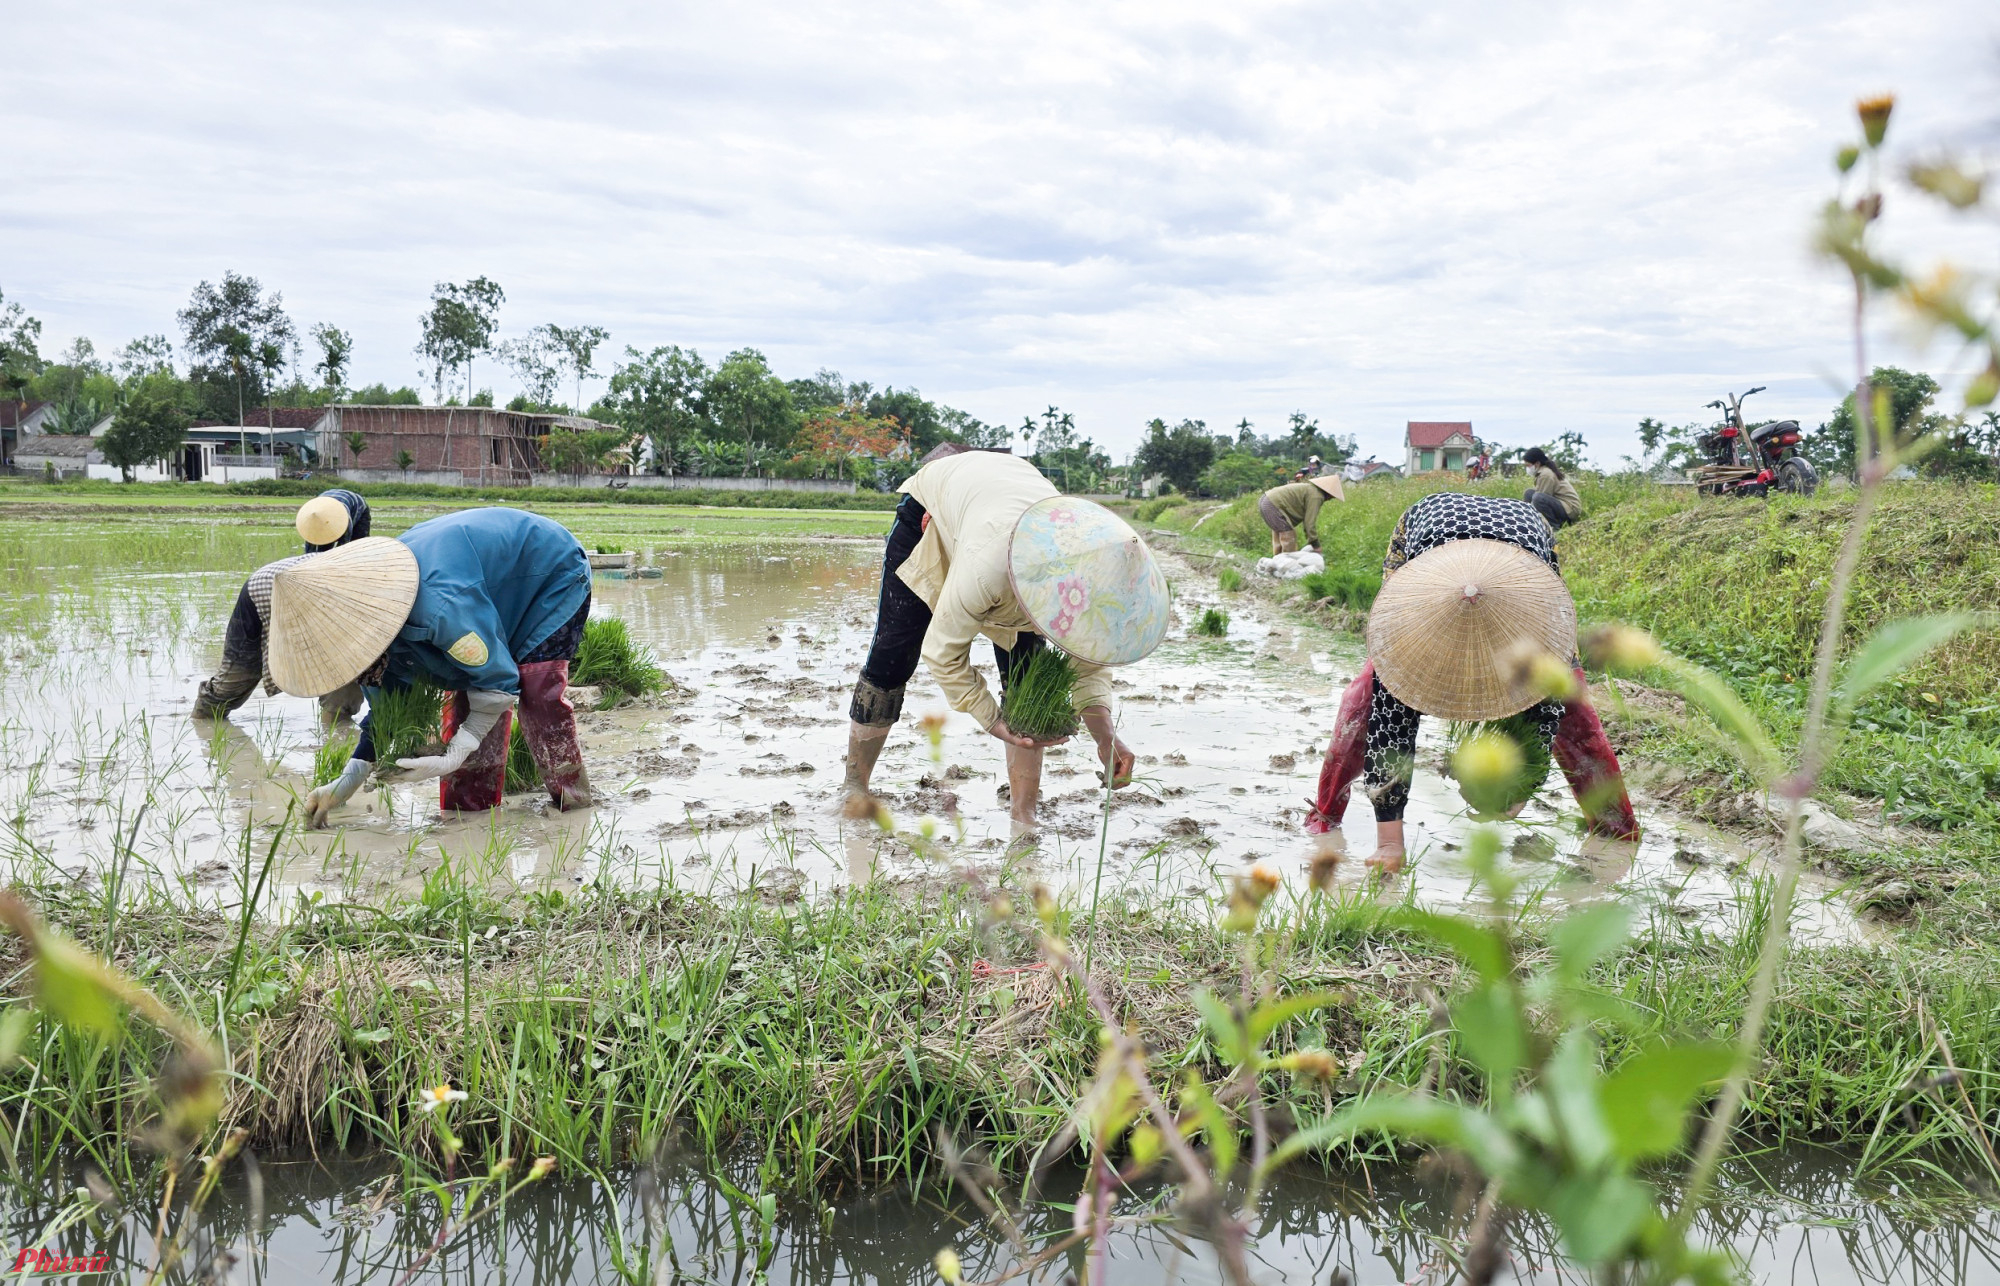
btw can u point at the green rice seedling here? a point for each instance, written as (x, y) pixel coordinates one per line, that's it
(521, 771)
(609, 658)
(405, 721)
(1214, 623)
(1039, 697)
(1229, 580)
(331, 758)
(1350, 587)
(609, 549)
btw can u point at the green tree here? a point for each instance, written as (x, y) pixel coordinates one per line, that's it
(1180, 454)
(148, 427)
(1831, 449)
(752, 406)
(146, 355)
(336, 350)
(357, 442)
(661, 395)
(1239, 472)
(458, 327)
(379, 394)
(20, 356)
(576, 345)
(226, 330)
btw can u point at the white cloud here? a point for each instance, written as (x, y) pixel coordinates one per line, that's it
(1537, 217)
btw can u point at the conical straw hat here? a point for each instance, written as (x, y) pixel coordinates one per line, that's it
(1451, 628)
(1330, 484)
(1087, 581)
(334, 613)
(322, 520)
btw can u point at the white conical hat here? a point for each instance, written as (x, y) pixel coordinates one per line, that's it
(322, 520)
(334, 613)
(1448, 630)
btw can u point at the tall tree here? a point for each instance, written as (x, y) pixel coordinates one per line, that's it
(146, 355)
(751, 405)
(20, 357)
(577, 344)
(532, 359)
(459, 327)
(662, 395)
(336, 350)
(1180, 454)
(226, 329)
(1910, 393)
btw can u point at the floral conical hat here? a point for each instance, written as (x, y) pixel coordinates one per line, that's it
(1087, 581)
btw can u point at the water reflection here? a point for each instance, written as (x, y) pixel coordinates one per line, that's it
(1791, 1217)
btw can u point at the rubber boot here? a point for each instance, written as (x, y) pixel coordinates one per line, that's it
(482, 780)
(1587, 760)
(1345, 755)
(548, 721)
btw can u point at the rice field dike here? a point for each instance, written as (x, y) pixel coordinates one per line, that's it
(887, 1030)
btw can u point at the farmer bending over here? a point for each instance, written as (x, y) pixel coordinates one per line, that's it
(983, 544)
(488, 604)
(1553, 494)
(330, 519)
(1294, 507)
(1472, 599)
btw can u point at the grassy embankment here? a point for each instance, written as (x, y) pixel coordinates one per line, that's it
(1739, 587)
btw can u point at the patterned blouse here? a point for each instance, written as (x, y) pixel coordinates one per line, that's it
(1437, 520)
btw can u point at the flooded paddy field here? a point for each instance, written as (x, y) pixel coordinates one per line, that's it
(594, 979)
(732, 779)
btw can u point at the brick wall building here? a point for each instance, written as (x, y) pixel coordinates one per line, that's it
(481, 444)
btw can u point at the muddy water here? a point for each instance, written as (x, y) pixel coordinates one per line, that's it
(1790, 1220)
(733, 780)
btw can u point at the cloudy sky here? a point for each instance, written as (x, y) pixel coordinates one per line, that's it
(1532, 216)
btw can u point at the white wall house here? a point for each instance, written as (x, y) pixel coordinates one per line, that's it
(1437, 444)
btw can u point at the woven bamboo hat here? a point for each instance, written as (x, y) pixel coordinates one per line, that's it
(1087, 581)
(1451, 628)
(334, 613)
(322, 520)
(1330, 484)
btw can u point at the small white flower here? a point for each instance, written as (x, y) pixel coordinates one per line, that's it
(430, 1099)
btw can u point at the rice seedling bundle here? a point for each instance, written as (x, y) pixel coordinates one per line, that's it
(406, 721)
(1039, 698)
(1214, 623)
(609, 659)
(1229, 580)
(1491, 779)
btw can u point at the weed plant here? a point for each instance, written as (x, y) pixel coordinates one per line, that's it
(1214, 624)
(609, 659)
(1039, 702)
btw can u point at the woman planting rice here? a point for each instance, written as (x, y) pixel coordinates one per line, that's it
(328, 520)
(487, 603)
(983, 544)
(1294, 507)
(1473, 623)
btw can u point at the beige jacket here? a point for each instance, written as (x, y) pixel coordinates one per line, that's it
(959, 569)
(1562, 489)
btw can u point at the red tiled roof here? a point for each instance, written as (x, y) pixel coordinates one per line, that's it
(12, 413)
(1432, 433)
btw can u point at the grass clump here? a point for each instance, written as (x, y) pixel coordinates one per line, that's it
(331, 758)
(1150, 510)
(1229, 580)
(608, 658)
(1214, 623)
(1353, 588)
(406, 722)
(1039, 701)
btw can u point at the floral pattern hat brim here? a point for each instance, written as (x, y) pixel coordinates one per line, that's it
(1087, 581)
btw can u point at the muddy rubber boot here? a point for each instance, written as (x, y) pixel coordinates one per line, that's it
(1591, 766)
(482, 781)
(1344, 754)
(548, 721)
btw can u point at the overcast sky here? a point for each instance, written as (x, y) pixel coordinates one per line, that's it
(1535, 217)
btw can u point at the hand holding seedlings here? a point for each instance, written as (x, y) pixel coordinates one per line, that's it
(1012, 738)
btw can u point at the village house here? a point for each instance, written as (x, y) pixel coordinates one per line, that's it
(478, 445)
(18, 422)
(53, 455)
(1437, 444)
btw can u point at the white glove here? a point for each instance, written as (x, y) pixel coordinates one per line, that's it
(324, 799)
(485, 711)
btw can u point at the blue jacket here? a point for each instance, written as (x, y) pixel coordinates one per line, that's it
(491, 585)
